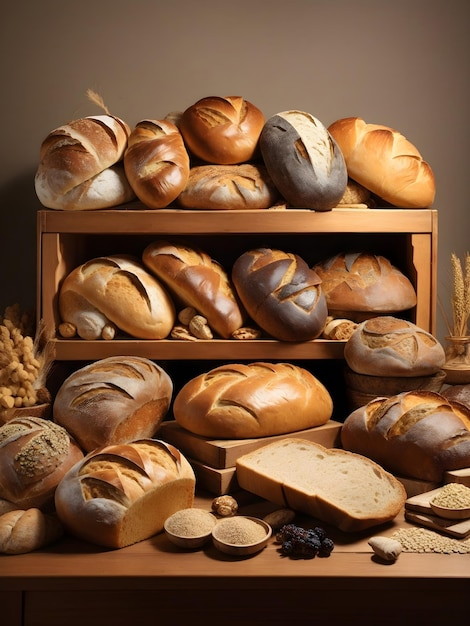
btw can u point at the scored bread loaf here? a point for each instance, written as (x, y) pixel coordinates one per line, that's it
(113, 400)
(156, 162)
(458, 393)
(418, 434)
(80, 165)
(24, 531)
(335, 486)
(115, 291)
(122, 494)
(388, 346)
(34, 456)
(385, 162)
(281, 293)
(238, 401)
(197, 280)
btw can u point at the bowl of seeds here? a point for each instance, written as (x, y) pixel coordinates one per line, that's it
(241, 535)
(452, 502)
(190, 528)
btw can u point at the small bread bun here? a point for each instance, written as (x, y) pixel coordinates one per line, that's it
(223, 131)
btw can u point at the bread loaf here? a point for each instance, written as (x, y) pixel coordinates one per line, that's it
(223, 187)
(388, 346)
(112, 292)
(34, 456)
(113, 400)
(238, 401)
(416, 434)
(196, 280)
(25, 531)
(223, 131)
(122, 494)
(458, 393)
(357, 284)
(156, 162)
(303, 160)
(385, 162)
(281, 294)
(338, 487)
(80, 165)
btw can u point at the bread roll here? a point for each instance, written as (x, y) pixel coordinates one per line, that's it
(281, 294)
(80, 165)
(113, 400)
(385, 162)
(34, 456)
(223, 187)
(156, 162)
(224, 131)
(338, 487)
(115, 291)
(358, 283)
(303, 160)
(237, 401)
(388, 346)
(25, 531)
(196, 280)
(122, 494)
(416, 434)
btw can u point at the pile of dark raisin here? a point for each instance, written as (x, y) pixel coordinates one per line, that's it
(304, 543)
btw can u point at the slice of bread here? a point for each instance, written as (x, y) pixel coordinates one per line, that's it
(337, 487)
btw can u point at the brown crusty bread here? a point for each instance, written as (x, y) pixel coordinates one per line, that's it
(335, 486)
(24, 531)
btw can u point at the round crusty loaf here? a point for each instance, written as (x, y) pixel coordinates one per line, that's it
(418, 434)
(23, 531)
(281, 294)
(358, 283)
(235, 187)
(113, 400)
(458, 393)
(303, 160)
(156, 162)
(34, 456)
(196, 280)
(237, 401)
(385, 162)
(388, 346)
(222, 130)
(123, 494)
(115, 291)
(80, 165)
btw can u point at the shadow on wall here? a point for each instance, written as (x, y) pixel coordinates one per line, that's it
(18, 250)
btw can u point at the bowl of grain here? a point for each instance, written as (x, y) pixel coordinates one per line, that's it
(241, 535)
(190, 528)
(452, 502)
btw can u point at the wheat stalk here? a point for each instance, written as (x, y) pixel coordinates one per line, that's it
(95, 97)
(460, 300)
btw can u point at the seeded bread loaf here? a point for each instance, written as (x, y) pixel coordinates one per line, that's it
(335, 486)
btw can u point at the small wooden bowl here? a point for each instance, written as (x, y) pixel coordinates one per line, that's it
(447, 513)
(186, 540)
(241, 549)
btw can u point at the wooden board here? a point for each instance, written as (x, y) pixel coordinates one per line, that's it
(458, 476)
(223, 453)
(216, 481)
(418, 510)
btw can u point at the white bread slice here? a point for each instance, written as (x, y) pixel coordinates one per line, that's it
(335, 486)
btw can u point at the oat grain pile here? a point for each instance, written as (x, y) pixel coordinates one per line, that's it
(423, 540)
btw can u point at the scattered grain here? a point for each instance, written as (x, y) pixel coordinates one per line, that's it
(423, 540)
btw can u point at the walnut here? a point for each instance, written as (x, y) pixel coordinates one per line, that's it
(186, 315)
(245, 333)
(225, 506)
(199, 327)
(182, 332)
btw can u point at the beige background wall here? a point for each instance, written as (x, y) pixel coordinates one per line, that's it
(402, 63)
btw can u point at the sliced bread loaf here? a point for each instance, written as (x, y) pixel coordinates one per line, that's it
(338, 487)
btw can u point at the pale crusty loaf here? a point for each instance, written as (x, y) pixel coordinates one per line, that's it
(238, 401)
(385, 162)
(338, 487)
(34, 456)
(389, 346)
(122, 494)
(115, 292)
(113, 400)
(418, 434)
(24, 531)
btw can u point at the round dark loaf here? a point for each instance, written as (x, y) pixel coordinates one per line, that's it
(237, 401)
(418, 434)
(303, 160)
(281, 294)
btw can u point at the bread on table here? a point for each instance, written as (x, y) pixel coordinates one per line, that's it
(35, 454)
(240, 401)
(335, 486)
(23, 531)
(458, 393)
(385, 162)
(417, 434)
(113, 400)
(303, 160)
(281, 293)
(122, 494)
